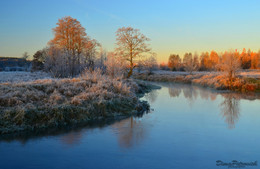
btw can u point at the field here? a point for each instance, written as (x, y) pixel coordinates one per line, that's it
(22, 76)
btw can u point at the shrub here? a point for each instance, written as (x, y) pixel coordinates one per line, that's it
(55, 102)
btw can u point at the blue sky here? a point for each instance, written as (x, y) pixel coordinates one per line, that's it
(174, 26)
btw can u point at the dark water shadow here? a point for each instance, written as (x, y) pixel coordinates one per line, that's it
(71, 134)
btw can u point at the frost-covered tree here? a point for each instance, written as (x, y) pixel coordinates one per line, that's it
(131, 45)
(150, 64)
(204, 61)
(89, 54)
(101, 57)
(114, 65)
(56, 62)
(255, 60)
(191, 64)
(174, 62)
(230, 64)
(70, 37)
(213, 60)
(245, 59)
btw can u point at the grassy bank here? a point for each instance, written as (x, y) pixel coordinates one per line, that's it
(217, 81)
(41, 104)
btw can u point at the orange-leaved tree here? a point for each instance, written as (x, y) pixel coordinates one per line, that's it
(213, 60)
(174, 62)
(231, 64)
(71, 38)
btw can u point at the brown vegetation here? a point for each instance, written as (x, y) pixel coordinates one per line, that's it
(214, 80)
(51, 103)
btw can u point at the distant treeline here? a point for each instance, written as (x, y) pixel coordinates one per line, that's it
(14, 64)
(209, 61)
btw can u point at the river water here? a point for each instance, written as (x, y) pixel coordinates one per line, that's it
(189, 127)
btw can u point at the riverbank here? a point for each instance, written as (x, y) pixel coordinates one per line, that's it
(48, 103)
(216, 80)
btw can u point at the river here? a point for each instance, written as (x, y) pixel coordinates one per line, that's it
(188, 127)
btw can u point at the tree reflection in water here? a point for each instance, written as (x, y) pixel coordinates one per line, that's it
(72, 138)
(151, 96)
(229, 108)
(131, 131)
(189, 92)
(174, 91)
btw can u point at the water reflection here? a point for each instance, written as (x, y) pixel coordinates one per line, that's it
(190, 93)
(131, 131)
(174, 91)
(70, 135)
(151, 96)
(230, 110)
(229, 107)
(72, 138)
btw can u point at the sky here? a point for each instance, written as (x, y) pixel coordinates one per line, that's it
(174, 26)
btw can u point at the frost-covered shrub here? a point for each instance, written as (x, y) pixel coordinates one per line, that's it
(54, 102)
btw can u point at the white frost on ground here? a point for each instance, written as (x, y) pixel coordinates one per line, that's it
(251, 73)
(179, 72)
(244, 73)
(16, 77)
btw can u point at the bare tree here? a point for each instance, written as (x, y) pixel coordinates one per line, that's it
(114, 66)
(89, 54)
(102, 55)
(25, 55)
(230, 64)
(140, 65)
(56, 62)
(150, 64)
(131, 44)
(191, 64)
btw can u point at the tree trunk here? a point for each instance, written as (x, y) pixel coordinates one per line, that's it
(230, 79)
(130, 72)
(131, 66)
